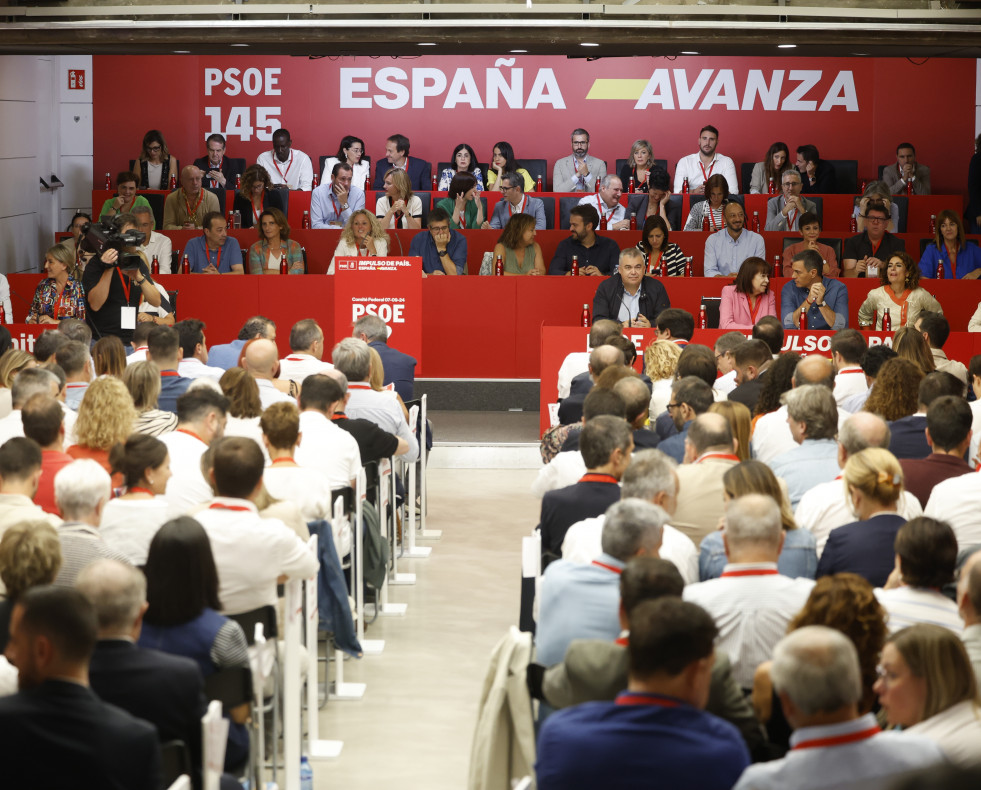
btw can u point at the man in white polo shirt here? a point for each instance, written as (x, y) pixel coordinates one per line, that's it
(698, 167)
(194, 363)
(201, 415)
(306, 355)
(323, 445)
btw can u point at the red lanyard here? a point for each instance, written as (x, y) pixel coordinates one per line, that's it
(612, 568)
(657, 266)
(192, 212)
(723, 456)
(753, 572)
(282, 175)
(754, 311)
(838, 740)
(256, 211)
(646, 699)
(705, 176)
(139, 490)
(124, 210)
(207, 254)
(337, 211)
(214, 183)
(124, 281)
(791, 219)
(191, 433)
(604, 217)
(592, 477)
(287, 459)
(521, 210)
(223, 506)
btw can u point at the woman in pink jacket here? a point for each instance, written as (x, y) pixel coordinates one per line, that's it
(748, 299)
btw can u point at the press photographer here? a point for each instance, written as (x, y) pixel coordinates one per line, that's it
(111, 299)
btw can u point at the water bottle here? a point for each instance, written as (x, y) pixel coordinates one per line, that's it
(284, 267)
(886, 320)
(633, 220)
(185, 266)
(684, 186)
(499, 267)
(155, 266)
(771, 188)
(238, 181)
(688, 272)
(316, 181)
(306, 774)
(538, 184)
(803, 316)
(305, 223)
(664, 267)
(604, 224)
(575, 265)
(630, 188)
(231, 220)
(435, 182)
(702, 318)
(238, 219)
(584, 317)
(853, 224)
(909, 187)
(108, 181)
(933, 224)
(705, 221)
(756, 222)
(173, 181)
(777, 268)
(861, 186)
(940, 270)
(597, 184)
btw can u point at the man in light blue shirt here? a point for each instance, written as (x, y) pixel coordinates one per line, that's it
(824, 299)
(812, 415)
(331, 205)
(818, 679)
(215, 252)
(726, 250)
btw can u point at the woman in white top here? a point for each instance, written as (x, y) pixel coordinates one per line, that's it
(244, 405)
(398, 207)
(660, 362)
(351, 151)
(927, 686)
(363, 236)
(130, 521)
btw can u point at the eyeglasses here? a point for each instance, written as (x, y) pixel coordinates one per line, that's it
(875, 219)
(506, 189)
(154, 148)
(674, 406)
(885, 675)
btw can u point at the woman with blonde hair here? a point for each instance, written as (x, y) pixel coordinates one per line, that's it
(60, 295)
(109, 357)
(638, 166)
(105, 418)
(13, 362)
(363, 237)
(660, 362)
(142, 380)
(739, 419)
(30, 555)
(798, 556)
(873, 481)
(266, 255)
(398, 207)
(928, 687)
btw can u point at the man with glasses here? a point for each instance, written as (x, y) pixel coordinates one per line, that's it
(613, 216)
(578, 172)
(784, 211)
(515, 201)
(443, 251)
(219, 171)
(824, 299)
(157, 245)
(865, 253)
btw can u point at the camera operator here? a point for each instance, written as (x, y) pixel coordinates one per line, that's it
(112, 301)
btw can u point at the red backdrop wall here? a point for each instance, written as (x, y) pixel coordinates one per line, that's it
(851, 108)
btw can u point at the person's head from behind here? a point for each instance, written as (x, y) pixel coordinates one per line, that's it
(770, 331)
(661, 360)
(698, 361)
(261, 358)
(600, 330)
(43, 420)
(203, 411)
(675, 324)
(606, 442)
(238, 466)
(814, 369)
(626, 345)
(895, 393)
(20, 466)
(32, 381)
(811, 412)
(636, 399)
(257, 326)
(601, 400)
(371, 329)
(672, 649)
(816, 671)
(142, 380)
(353, 358)
(848, 348)
(30, 555)
(925, 671)
(177, 598)
(750, 358)
(117, 591)
(948, 427)
(873, 480)
(740, 423)
(280, 424)
(708, 432)
(47, 344)
(646, 578)
(755, 477)
(753, 530)
(936, 385)
(690, 397)
(652, 477)
(320, 393)
(633, 527)
(926, 553)
(53, 632)
(164, 347)
(81, 490)
(143, 461)
(603, 357)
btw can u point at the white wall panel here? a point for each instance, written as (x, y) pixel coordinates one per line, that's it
(75, 126)
(76, 172)
(24, 198)
(66, 62)
(18, 129)
(18, 81)
(19, 249)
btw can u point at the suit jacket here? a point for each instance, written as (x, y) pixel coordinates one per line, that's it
(700, 504)
(400, 369)
(581, 385)
(921, 181)
(420, 174)
(775, 219)
(564, 178)
(60, 735)
(570, 409)
(163, 689)
(610, 293)
(862, 547)
(674, 446)
(229, 168)
(909, 437)
(597, 670)
(565, 506)
(532, 205)
(748, 393)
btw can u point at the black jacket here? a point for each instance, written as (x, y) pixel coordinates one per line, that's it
(609, 296)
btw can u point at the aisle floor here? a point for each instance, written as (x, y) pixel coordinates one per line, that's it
(413, 728)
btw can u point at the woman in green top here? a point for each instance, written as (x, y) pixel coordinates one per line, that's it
(518, 248)
(126, 198)
(464, 207)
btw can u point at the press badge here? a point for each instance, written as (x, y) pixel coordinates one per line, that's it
(127, 318)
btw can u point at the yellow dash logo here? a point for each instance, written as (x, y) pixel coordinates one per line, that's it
(617, 89)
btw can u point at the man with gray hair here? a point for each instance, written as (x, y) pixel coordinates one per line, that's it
(226, 355)
(812, 415)
(817, 676)
(577, 362)
(752, 603)
(163, 689)
(651, 476)
(630, 296)
(306, 357)
(399, 369)
(784, 211)
(582, 601)
(969, 607)
(612, 214)
(157, 245)
(352, 358)
(81, 491)
(823, 507)
(27, 383)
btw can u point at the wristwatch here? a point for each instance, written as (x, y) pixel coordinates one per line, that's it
(441, 253)
(822, 304)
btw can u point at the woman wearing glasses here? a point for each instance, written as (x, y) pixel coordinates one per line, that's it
(350, 151)
(156, 163)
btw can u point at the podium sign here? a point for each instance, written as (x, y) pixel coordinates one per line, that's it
(390, 288)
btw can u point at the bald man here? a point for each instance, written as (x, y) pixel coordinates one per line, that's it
(600, 358)
(262, 362)
(969, 606)
(186, 208)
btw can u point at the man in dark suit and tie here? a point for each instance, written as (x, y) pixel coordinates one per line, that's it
(55, 731)
(219, 171)
(166, 690)
(400, 369)
(419, 171)
(606, 444)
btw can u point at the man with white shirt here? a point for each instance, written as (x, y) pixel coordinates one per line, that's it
(653, 477)
(158, 245)
(194, 350)
(613, 216)
(958, 502)
(287, 165)
(306, 356)
(20, 474)
(27, 383)
(725, 250)
(818, 679)
(138, 342)
(698, 167)
(726, 365)
(251, 553)
(935, 329)
(201, 415)
(752, 603)
(824, 507)
(848, 348)
(353, 358)
(323, 445)
(73, 358)
(261, 361)
(577, 362)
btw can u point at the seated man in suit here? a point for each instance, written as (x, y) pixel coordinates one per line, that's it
(906, 171)
(420, 171)
(400, 369)
(55, 731)
(219, 172)
(579, 171)
(600, 358)
(163, 689)
(784, 211)
(606, 444)
(515, 202)
(909, 433)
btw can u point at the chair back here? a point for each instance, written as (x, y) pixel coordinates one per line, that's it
(536, 168)
(175, 762)
(156, 202)
(712, 305)
(746, 176)
(231, 686)
(846, 175)
(248, 620)
(549, 208)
